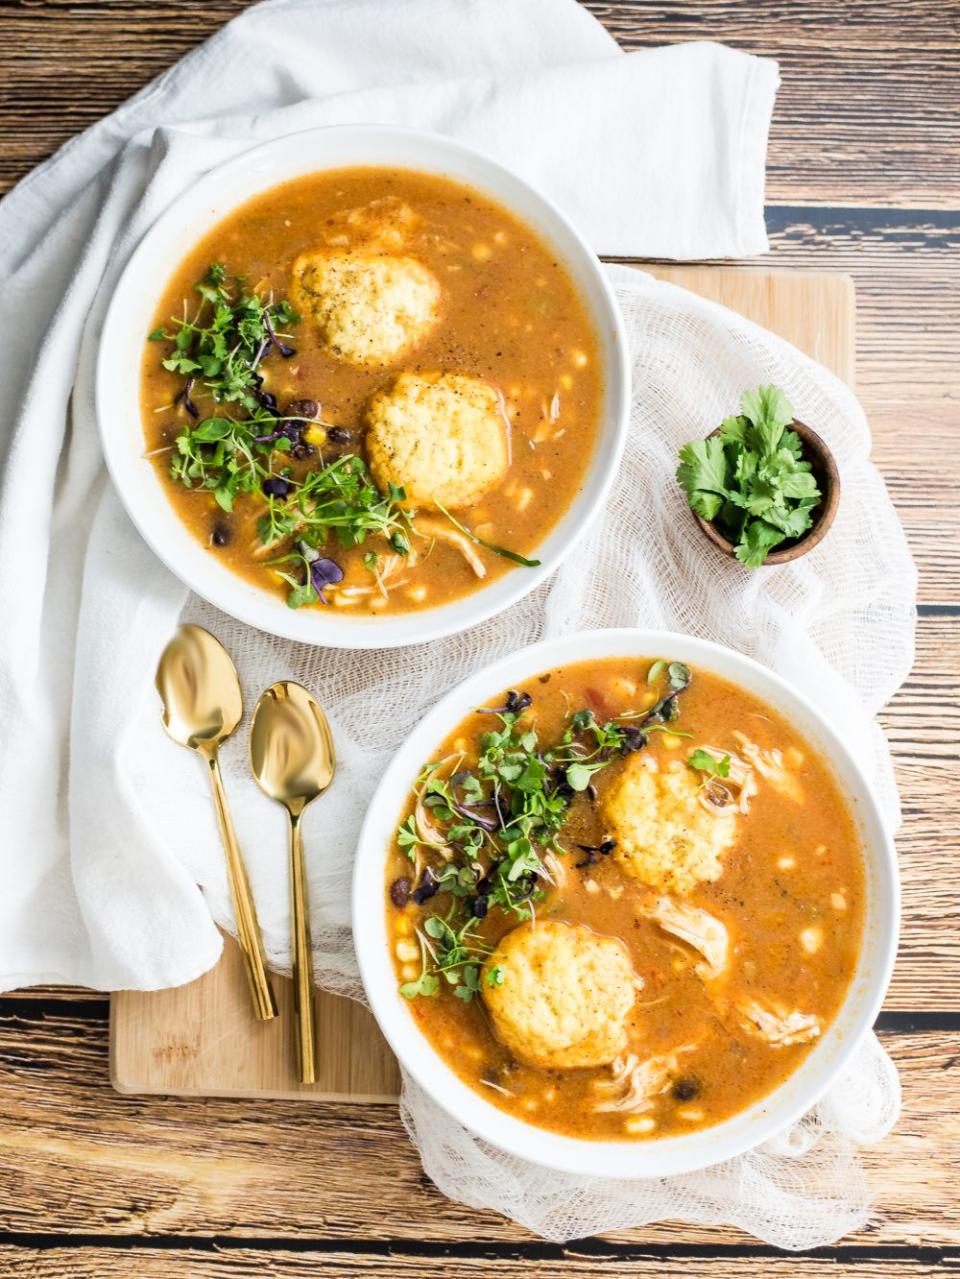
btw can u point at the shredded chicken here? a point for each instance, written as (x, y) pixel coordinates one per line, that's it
(428, 832)
(776, 1024)
(769, 764)
(556, 871)
(634, 1083)
(386, 579)
(441, 532)
(733, 792)
(699, 929)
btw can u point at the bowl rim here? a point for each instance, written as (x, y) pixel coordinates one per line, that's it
(623, 1159)
(282, 159)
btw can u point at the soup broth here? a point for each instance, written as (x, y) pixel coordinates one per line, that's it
(396, 320)
(626, 903)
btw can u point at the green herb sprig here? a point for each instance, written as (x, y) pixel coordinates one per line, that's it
(228, 337)
(751, 480)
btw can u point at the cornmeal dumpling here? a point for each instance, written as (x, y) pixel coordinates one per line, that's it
(665, 837)
(441, 436)
(369, 309)
(380, 226)
(564, 995)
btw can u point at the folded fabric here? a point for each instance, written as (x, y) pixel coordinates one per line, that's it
(657, 153)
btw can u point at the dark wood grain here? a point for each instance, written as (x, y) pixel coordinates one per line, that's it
(77, 1158)
(570, 1263)
(864, 177)
(867, 113)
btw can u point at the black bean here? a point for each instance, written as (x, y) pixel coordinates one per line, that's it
(302, 410)
(339, 435)
(517, 702)
(220, 536)
(400, 892)
(275, 486)
(686, 1088)
(428, 887)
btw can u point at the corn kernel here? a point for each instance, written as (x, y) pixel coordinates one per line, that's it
(786, 863)
(811, 939)
(482, 252)
(409, 972)
(838, 901)
(639, 1123)
(670, 741)
(622, 687)
(579, 359)
(693, 1114)
(406, 951)
(417, 593)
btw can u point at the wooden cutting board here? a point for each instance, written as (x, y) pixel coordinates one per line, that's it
(200, 1040)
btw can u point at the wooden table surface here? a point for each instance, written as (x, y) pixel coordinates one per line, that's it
(864, 177)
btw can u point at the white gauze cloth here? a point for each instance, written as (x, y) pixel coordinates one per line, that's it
(106, 828)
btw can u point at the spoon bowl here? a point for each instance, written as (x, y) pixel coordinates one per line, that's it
(199, 688)
(292, 757)
(202, 705)
(291, 748)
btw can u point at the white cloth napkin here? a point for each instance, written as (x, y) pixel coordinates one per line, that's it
(105, 828)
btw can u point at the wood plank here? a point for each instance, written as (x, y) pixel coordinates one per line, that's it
(302, 1263)
(861, 82)
(76, 1157)
(200, 1039)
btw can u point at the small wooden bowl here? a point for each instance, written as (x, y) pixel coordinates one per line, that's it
(828, 481)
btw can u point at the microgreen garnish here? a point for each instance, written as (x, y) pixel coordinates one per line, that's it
(751, 479)
(226, 339)
(704, 762)
(339, 502)
(515, 556)
(482, 836)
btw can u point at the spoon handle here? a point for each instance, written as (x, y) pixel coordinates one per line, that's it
(248, 929)
(302, 957)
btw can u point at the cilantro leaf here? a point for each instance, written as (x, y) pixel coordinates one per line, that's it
(759, 539)
(702, 473)
(769, 412)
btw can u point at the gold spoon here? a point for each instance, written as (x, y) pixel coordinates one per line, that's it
(202, 705)
(292, 757)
